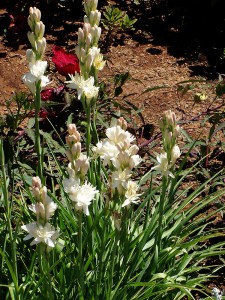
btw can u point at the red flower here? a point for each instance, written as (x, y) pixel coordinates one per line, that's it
(65, 63)
(52, 94)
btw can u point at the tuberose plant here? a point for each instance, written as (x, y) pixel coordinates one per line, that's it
(103, 232)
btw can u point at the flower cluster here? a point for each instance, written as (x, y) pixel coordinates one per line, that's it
(118, 152)
(171, 152)
(44, 208)
(79, 190)
(34, 56)
(217, 293)
(88, 53)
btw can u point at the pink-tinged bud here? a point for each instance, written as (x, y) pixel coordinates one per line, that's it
(69, 155)
(43, 195)
(122, 123)
(71, 139)
(31, 38)
(36, 182)
(72, 129)
(170, 118)
(86, 29)
(40, 211)
(76, 150)
(30, 55)
(80, 36)
(82, 165)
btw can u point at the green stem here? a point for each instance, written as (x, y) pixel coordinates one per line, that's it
(45, 272)
(88, 130)
(7, 206)
(38, 148)
(158, 238)
(80, 257)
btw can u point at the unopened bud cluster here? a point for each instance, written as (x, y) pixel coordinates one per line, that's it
(36, 35)
(90, 59)
(44, 208)
(171, 152)
(79, 162)
(79, 190)
(118, 152)
(34, 56)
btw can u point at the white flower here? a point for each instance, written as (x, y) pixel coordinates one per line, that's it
(41, 234)
(118, 136)
(71, 185)
(119, 180)
(36, 74)
(131, 195)
(163, 165)
(44, 210)
(107, 151)
(83, 86)
(84, 196)
(125, 160)
(217, 293)
(95, 58)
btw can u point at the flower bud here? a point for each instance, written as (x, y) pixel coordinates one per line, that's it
(36, 182)
(175, 154)
(41, 45)
(88, 42)
(30, 55)
(176, 131)
(43, 194)
(39, 30)
(40, 211)
(82, 165)
(95, 33)
(122, 123)
(82, 55)
(94, 17)
(31, 23)
(76, 150)
(72, 129)
(80, 36)
(89, 61)
(35, 14)
(31, 38)
(69, 155)
(71, 139)
(86, 29)
(86, 20)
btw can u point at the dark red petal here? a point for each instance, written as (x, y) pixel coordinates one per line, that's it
(65, 63)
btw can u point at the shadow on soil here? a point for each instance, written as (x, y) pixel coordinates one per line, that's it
(193, 30)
